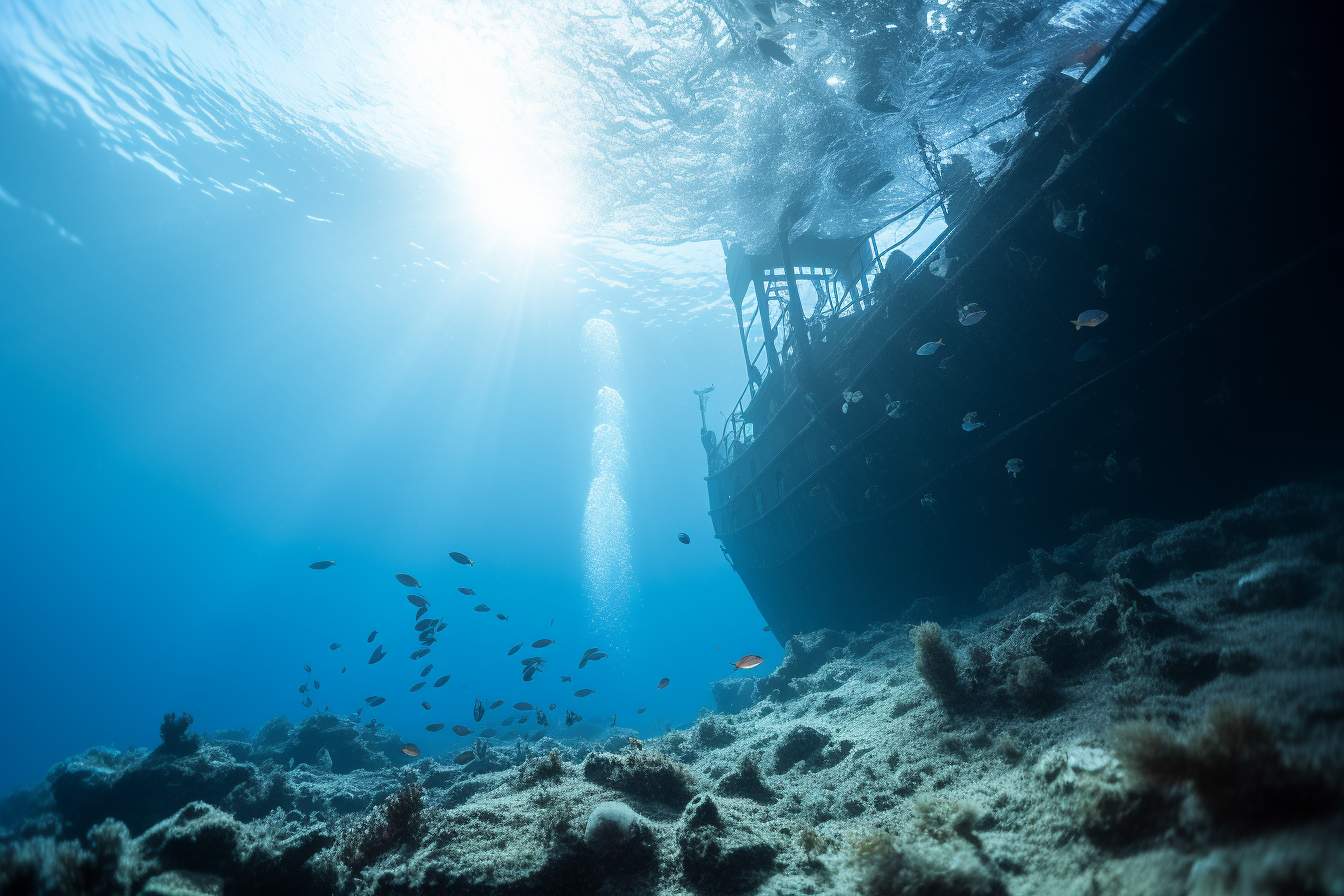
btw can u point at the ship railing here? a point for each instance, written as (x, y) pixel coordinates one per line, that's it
(838, 296)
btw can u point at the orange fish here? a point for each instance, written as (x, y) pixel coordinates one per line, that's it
(410, 750)
(664, 683)
(750, 661)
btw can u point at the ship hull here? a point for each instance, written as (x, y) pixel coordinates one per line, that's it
(1218, 375)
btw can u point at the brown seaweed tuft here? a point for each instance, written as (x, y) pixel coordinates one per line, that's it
(934, 661)
(1231, 763)
(396, 821)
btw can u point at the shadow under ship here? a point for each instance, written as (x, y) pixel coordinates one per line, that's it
(1175, 186)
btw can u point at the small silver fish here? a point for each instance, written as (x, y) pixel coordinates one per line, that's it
(971, 314)
(1089, 318)
(929, 348)
(969, 423)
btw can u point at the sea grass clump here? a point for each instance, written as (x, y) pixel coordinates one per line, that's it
(1231, 763)
(395, 822)
(935, 662)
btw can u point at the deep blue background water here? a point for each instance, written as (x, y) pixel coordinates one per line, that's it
(207, 393)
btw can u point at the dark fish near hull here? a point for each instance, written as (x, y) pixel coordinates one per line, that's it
(489, 732)
(523, 707)
(377, 654)
(750, 661)
(373, 634)
(461, 558)
(640, 711)
(683, 538)
(514, 649)
(464, 758)
(425, 705)
(664, 683)
(410, 750)
(417, 600)
(529, 673)
(1090, 349)
(307, 701)
(423, 651)
(308, 669)
(420, 612)
(322, 564)
(497, 704)
(437, 726)
(462, 730)
(469, 592)
(544, 642)
(772, 50)
(584, 692)
(478, 710)
(481, 608)
(375, 701)
(501, 616)
(407, 580)
(335, 645)
(508, 721)
(424, 624)
(442, 681)
(417, 686)
(425, 671)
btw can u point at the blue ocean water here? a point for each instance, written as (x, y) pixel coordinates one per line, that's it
(318, 282)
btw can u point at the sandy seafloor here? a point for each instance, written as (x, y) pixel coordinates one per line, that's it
(1153, 709)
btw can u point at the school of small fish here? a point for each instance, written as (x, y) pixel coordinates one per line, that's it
(426, 629)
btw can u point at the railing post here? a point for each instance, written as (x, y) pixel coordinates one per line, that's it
(796, 318)
(753, 375)
(763, 303)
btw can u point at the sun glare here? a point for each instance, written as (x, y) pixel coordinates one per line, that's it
(484, 71)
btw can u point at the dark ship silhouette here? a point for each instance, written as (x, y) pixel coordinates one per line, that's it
(1172, 186)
